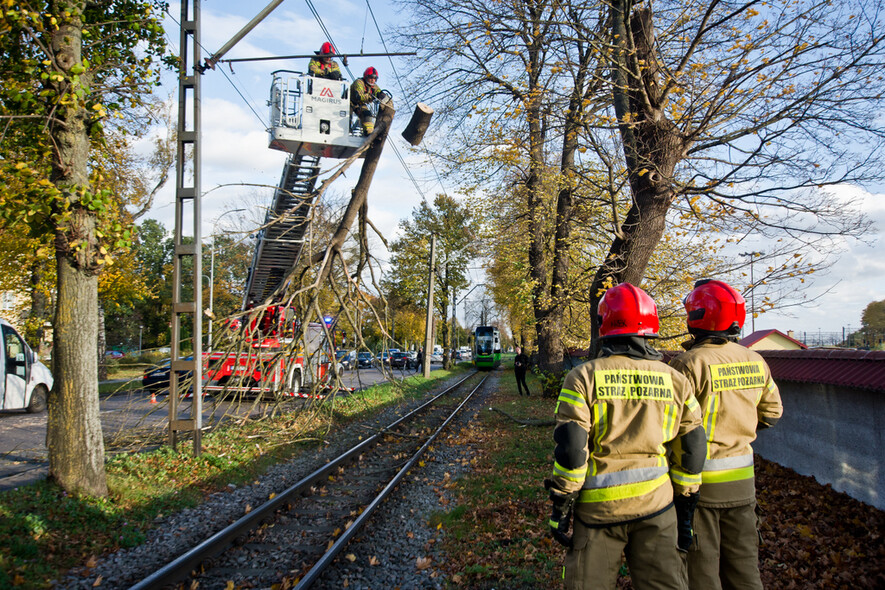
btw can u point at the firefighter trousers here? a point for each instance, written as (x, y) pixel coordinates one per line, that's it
(649, 545)
(727, 553)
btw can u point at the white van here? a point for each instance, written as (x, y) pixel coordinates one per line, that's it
(25, 382)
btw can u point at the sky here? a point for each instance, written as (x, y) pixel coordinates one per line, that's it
(235, 152)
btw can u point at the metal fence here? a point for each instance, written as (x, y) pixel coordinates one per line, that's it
(867, 340)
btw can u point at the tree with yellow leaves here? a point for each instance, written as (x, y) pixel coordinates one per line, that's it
(739, 115)
(69, 66)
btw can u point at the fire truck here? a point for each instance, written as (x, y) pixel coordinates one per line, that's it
(273, 348)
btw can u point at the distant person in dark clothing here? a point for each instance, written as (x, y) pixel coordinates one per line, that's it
(520, 366)
(420, 362)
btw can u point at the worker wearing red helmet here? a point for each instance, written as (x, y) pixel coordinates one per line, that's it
(323, 66)
(363, 92)
(737, 397)
(628, 430)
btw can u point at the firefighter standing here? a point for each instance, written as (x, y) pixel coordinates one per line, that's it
(615, 418)
(323, 66)
(738, 397)
(363, 92)
(520, 366)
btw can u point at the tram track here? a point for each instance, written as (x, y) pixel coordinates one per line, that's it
(297, 533)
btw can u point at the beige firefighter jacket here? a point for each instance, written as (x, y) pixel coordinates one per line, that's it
(362, 93)
(736, 391)
(630, 410)
(318, 69)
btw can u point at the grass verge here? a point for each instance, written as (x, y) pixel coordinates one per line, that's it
(498, 528)
(814, 537)
(45, 532)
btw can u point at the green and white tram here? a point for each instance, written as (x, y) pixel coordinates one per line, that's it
(486, 347)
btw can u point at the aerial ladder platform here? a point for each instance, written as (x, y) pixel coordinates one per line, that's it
(285, 230)
(310, 119)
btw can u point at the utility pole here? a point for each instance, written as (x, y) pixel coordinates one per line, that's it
(428, 333)
(187, 208)
(457, 339)
(751, 256)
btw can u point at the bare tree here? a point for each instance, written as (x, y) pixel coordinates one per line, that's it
(753, 107)
(736, 116)
(504, 63)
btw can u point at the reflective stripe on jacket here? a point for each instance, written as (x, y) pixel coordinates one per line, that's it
(630, 410)
(736, 392)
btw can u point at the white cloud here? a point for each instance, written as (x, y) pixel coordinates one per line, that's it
(854, 281)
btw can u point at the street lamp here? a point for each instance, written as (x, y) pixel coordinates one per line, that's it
(751, 256)
(211, 313)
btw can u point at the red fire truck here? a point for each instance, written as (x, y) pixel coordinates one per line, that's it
(310, 119)
(268, 354)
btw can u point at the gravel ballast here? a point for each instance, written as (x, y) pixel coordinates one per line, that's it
(397, 548)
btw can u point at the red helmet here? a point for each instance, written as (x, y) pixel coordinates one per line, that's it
(715, 307)
(327, 49)
(370, 71)
(626, 310)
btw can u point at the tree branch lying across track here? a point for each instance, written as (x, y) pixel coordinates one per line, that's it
(524, 422)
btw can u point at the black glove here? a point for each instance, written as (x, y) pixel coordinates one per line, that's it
(685, 507)
(561, 514)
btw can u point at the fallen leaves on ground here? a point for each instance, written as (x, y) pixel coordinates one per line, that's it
(814, 537)
(422, 563)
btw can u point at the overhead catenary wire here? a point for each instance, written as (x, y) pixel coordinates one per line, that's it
(226, 77)
(409, 104)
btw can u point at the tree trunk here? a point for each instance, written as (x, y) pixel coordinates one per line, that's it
(652, 148)
(73, 430)
(101, 345)
(40, 309)
(417, 127)
(546, 324)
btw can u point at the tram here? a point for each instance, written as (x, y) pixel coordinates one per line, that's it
(486, 347)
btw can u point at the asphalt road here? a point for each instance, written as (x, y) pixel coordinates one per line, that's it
(127, 419)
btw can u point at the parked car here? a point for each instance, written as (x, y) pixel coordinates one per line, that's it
(27, 381)
(400, 360)
(113, 354)
(384, 356)
(364, 360)
(157, 378)
(346, 360)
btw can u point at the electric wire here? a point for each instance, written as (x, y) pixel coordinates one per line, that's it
(229, 80)
(405, 95)
(319, 19)
(396, 151)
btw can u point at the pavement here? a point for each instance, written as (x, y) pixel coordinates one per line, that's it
(23, 454)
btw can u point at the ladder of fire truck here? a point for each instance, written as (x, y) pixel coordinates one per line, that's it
(282, 238)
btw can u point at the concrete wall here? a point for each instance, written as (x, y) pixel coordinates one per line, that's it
(835, 434)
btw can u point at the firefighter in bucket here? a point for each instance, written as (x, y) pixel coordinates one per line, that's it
(363, 93)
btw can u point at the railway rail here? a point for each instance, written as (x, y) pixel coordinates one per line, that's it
(297, 534)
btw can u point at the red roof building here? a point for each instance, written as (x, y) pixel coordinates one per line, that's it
(771, 340)
(861, 369)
